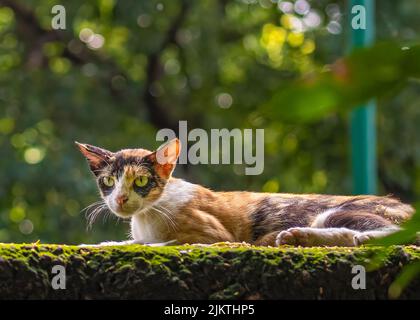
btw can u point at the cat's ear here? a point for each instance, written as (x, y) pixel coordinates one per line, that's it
(97, 157)
(165, 157)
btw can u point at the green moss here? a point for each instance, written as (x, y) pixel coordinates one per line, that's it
(219, 271)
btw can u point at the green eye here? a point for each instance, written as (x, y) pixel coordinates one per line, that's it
(108, 181)
(141, 181)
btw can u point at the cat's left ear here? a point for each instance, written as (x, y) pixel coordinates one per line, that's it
(165, 157)
(97, 157)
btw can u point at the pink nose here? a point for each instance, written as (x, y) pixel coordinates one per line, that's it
(121, 199)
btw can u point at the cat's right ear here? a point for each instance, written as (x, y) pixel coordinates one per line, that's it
(165, 157)
(97, 157)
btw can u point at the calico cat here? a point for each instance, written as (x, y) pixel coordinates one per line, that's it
(137, 184)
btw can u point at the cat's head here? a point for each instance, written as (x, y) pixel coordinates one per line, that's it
(131, 180)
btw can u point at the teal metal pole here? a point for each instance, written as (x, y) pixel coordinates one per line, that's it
(363, 118)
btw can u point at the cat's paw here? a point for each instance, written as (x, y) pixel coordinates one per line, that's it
(105, 244)
(115, 243)
(309, 237)
(294, 237)
(84, 245)
(362, 238)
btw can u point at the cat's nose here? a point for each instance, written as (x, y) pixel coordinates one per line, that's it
(121, 199)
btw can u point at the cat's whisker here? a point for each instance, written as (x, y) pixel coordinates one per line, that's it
(92, 205)
(94, 214)
(167, 219)
(172, 222)
(117, 220)
(108, 215)
(170, 215)
(161, 215)
(91, 213)
(156, 213)
(167, 214)
(105, 216)
(91, 218)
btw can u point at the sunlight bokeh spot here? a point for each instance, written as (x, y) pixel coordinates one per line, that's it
(60, 65)
(172, 66)
(86, 35)
(6, 17)
(285, 6)
(6, 125)
(302, 7)
(271, 186)
(334, 27)
(312, 19)
(34, 155)
(308, 47)
(224, 100)
(319, 179)
(26, 226)
(295, 39)
(286, 21)
(96, 42)
(144, 20)
(17, 213)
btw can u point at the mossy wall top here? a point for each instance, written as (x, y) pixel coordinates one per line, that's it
(220, 271)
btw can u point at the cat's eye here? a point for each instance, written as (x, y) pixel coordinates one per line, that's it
(141, 181)
(108, 181)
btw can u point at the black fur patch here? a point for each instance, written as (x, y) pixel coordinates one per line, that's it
(356, 220)
(276, 214)
(118, 165)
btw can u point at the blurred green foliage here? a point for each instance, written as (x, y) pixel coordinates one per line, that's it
(346, 83)
(122, 70)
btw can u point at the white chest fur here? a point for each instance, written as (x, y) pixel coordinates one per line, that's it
(152, 225)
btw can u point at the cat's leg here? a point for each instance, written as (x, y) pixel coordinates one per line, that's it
(338, 228)
(309, 237)
(267, 240)
(369, 226)
(366, 236)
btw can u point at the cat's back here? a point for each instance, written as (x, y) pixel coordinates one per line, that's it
(258, 205)
(249, 215)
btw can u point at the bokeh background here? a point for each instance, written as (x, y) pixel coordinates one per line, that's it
(124, 69)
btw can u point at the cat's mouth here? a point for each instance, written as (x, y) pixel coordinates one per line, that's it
(124, 211)
(123, 214)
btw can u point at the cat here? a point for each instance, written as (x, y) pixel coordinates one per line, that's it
(137, 184)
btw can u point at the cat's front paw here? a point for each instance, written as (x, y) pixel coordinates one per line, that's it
(362, 238)
(85, 245)
(294, 237)
(309, 237)
(105, 244)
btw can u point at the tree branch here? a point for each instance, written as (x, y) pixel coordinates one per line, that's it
(157, 111)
